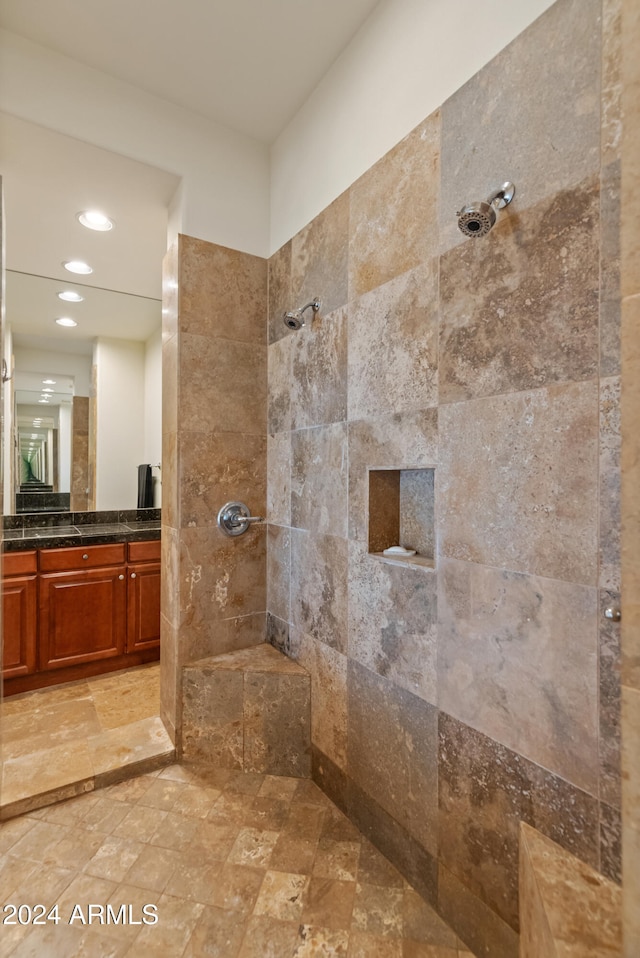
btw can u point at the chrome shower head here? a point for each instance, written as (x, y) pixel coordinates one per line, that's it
(477, 219)
(294, 318)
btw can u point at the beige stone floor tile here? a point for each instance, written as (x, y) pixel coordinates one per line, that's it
(114, 858)
(212, 842)
(231, 809)
(236, 888)
(269, 814)
(268, 938)
(282, 896)
(153, 868)
(129, 744)
(137, 898)
(14, 872)
(305, 821)
(194, 882)
(70, 812)
(176, 921)
(42, 772)
(245, 783)
(31, 732)
(204, 775)
(378, 910)
(362, 945)
(320, 942)
(375, 869)
(337, 860)
(275, 786)
(140, 823)
(45, 698)
(82, 890)
(422, 923)
(132, 789)
(44, 885)
(76, 848)
(196, 801)
(294, 855)
(173, 830)
(253, 847)
(419, 949)
(117, 707)
(217, 934)
(38, 841)
(328, 903)
(113, 681)
(102, 943)
(104, 815)
(12, 830)
(163, 794)
(54, 941)
(338, 828)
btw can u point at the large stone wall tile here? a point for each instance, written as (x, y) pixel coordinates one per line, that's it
(222, 292)
(611, 80)
(328, 670)
(494, 129)
(241, 632)
(221, 578)
(170, 287)
(223, 386)
(393, 621)
(319, 259)
(392, 752)
(278, 634)
(610, 232)
(169, 584)
(485, 791)
(212, 729)
(279, 478)
(520, 307)
(216, 468)
(518, 661)
(610, 484)
(170, 680)
(319, 479)
(393, 345)
(279, 361)
(319, 371)
(277, 736)
(630, 150)
(278, 571)
(631, 819)
(407, 440)
(611, 842)
(517, 482)
(415, 863)
(476, 924)
(393, 217)
(319, 570)
(280, 298)
(630, 491)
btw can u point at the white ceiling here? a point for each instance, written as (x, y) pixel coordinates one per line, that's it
(249, 64)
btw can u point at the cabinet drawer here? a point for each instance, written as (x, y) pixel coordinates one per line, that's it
(19, 563)
(59, 560)
(144, 551)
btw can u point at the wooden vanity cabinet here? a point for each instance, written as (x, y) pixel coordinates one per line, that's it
(77, 611)
(143, 595)
(83, 605)
(19, 613)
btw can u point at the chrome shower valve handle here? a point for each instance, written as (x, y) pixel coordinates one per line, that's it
(235, 518)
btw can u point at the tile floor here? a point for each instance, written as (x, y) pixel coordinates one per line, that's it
(237, 865)
(68, 739)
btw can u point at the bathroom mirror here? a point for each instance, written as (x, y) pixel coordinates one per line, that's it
(84, 402)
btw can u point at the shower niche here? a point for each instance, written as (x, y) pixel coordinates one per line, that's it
(401, 513)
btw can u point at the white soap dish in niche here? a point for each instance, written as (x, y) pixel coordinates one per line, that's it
(399, 552)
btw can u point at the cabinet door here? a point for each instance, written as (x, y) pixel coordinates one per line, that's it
(19, 607)
(82, 616)
(143, 601)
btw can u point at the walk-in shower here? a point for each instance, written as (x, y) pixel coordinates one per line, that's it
(294, 318)
(477, 218)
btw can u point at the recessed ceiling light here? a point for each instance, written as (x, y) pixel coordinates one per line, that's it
(95, 220)
(66, 321)
(43, 400)
(49, 382)
(77, 266)
(47, 390)
(70, 296)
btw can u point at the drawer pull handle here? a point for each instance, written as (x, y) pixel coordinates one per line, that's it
(121, 577)
(85, 556)
(133, 575)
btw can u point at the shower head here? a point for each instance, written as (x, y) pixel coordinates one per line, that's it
(294, 318)
(476, 219)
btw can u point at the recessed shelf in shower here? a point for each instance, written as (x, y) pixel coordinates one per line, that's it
(401, 513)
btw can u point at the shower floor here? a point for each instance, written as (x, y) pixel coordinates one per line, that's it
(237, 866)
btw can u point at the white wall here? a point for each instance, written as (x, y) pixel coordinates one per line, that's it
(119, 422)
(225, 193)
(405, 61)
(65, 364)
(64, 447)
(153, 411)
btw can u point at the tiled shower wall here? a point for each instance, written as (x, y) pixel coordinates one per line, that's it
(449, 704)
(214, 450)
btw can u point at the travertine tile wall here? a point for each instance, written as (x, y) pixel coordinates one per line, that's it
(630, 282)
(448, 705)
(214, 451)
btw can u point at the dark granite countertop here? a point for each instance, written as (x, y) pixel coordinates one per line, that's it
(56, 530)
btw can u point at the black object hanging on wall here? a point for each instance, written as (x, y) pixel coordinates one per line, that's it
(145, 487)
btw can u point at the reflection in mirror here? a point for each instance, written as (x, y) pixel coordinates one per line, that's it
(83, 409)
